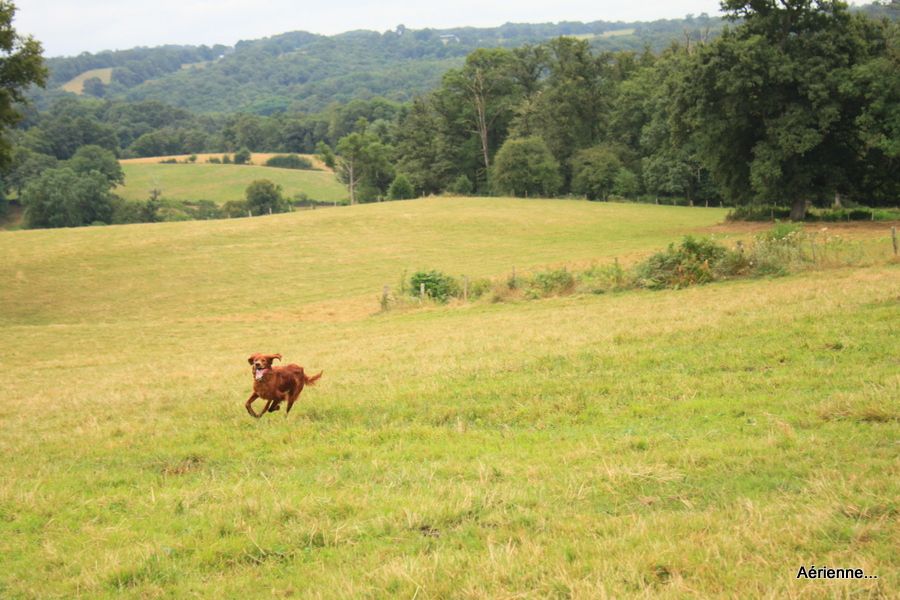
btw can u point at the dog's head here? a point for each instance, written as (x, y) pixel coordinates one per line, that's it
(260, 364)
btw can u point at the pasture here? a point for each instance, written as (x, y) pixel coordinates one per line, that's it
(704, 442)
(76, 84)
(221, 183)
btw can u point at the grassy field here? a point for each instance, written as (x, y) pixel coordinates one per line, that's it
(76, 84)
(705, 442)
(221, 183)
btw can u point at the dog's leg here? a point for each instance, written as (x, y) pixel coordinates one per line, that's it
(293, 399)
(249, 404)
(266, 407)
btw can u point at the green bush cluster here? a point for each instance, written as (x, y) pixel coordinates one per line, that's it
(690, 263)
(768, 212)
(438, 286)
(695, 261)
(289, 161)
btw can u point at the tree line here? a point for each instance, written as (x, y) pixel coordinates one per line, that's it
(798, 102)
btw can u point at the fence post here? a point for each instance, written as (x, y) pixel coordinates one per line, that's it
(421, 291)
(385, 296)
(249, 214)
(465, 288)
(894, 239)
(270, 210)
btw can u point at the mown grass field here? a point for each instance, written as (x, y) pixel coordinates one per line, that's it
(221, 183)
(76, 84)
(704, 442)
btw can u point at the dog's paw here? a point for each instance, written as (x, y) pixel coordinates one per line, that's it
(274, 408)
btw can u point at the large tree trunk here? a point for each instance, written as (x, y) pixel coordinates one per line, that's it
(798, 210)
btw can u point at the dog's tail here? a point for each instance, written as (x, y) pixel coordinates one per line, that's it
(313, 379)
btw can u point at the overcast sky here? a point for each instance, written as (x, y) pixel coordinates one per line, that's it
(67, 27)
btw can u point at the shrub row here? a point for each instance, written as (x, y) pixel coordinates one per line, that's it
(694, 261)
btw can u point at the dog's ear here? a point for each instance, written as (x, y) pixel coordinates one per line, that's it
(275, 357)
(252, 358)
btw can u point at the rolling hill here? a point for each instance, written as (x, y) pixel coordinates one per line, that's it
(698, 442)
(301, 71)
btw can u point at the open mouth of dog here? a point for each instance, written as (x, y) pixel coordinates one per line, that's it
(259, 373)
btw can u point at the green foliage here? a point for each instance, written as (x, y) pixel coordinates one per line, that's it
(438, 286)
(326, 154)
(242, 157)
(263, 196)
(101, 160)
(63, 198)
(21, 66)
(289, 161)
(401, 188)
(553, 283)
(524, 167)
(775, 105)
(690, 263)
(461, 186)
(626, 184)
(364, 165)
(594, 172)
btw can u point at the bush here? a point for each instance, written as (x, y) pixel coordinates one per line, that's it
(555, 282)
(691, 263)
(234, 208)
(226, 159)
(525, 167)
(289, 161)
(242, 157)
(438, 286)
(264, 196)
(401, 188)
(214, 160)
(461, 186)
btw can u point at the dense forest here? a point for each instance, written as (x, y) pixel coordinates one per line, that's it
(793, 104)
(301, 71)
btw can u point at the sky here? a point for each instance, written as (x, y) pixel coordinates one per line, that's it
(68, 27)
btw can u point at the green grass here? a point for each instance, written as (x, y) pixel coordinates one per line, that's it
(696, 443)
(221, 183)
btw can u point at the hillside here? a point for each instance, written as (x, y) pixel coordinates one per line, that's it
(699, 442)
(221, 183)
(307, 72)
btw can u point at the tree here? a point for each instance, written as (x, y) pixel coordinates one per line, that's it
(626, 184)
(772, 103)
(64, 198)
(364, 166)
(486, 91)
(401, 188)
(264, 196)
(525, 167)
(95, 158)
(21, 65)
(569, 112)
(242, 157)
(325, 154)
(594, 172)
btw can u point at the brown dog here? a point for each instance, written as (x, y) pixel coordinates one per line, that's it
(274, 384)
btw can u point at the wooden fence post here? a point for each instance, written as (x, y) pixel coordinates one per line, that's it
(465, 288)
(421, 291)
(249, 214)
(894, 239)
